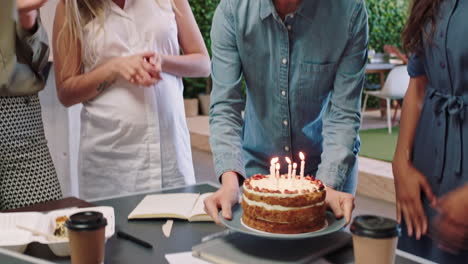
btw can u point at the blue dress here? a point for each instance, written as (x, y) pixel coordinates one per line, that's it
(440, 148)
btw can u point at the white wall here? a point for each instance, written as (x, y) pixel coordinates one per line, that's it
(55, 119)
(47, 17)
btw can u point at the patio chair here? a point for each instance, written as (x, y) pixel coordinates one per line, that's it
(394, 88)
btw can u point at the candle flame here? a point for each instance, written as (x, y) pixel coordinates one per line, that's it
(278, 166)
(301, 155)
(288, 160)
(294, 165)
(274, 160)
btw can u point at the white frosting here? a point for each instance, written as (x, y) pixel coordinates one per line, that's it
(266, 220)
(276, 207)
(282, 185)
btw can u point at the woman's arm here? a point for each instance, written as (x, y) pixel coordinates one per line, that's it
(411, 110)
(72, 86)
(195, 61)
(409, 182)
(75, 87)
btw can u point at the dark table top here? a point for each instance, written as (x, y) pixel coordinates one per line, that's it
(184, 234)
(183, 237)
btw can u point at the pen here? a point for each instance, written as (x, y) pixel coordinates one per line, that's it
(133, 239)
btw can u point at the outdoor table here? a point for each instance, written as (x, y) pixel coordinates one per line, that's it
(183, 237)
(381, 69)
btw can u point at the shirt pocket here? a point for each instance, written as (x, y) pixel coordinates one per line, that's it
(316, 80)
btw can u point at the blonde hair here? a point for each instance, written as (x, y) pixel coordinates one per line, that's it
(78, 13)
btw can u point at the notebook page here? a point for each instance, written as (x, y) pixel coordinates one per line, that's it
(174, 205)
(199, 208)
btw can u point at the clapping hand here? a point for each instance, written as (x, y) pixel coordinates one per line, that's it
(142, 69)
(156, 62)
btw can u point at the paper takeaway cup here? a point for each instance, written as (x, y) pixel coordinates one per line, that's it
(86, 233)
(374, 239)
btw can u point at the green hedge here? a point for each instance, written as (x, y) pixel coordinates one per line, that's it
(203, 11)
(387, 19)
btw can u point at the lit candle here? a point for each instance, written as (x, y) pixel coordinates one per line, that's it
(289, 167)
(302, 157)
(277, 174)
(294, 172)
(272, 167)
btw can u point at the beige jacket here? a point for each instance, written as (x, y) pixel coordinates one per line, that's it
(23, 55)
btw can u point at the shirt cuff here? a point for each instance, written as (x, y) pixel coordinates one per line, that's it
(228, 162)
(416, 65)
(333, 177)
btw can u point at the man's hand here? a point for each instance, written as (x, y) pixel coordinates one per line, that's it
(451, 225)
(341, 203)
(224, 198)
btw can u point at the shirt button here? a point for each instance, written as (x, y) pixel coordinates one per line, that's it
(283, 93)
(442, 65)
(284, 61)
(286, 148)
(285, 122)
(441, 34)
(289, 27)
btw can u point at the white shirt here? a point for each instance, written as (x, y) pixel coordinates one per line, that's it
(134, 138)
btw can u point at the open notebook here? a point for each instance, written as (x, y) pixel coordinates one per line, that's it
(187, 206)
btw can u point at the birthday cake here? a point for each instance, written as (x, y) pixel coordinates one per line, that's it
(284, 204)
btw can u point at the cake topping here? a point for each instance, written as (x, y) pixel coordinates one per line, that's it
(283, 184)
(289, 183)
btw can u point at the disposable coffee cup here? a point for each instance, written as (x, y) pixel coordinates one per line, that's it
(374, 239)
(86, 233)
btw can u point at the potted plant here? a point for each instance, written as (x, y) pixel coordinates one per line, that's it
(190, 98)
(203, 10)
(204, 98)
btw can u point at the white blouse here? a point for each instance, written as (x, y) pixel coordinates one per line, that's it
(134, 138)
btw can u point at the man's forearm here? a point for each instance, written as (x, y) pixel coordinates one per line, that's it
(226, 98)
(340, 133)
(230, 179)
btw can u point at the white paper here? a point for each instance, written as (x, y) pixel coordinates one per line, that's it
(199, 207)
(184, 258)
(177, 205)
(167, 227)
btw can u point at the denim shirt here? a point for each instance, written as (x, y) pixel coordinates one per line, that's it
(304, 78)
